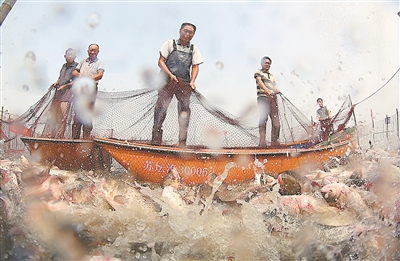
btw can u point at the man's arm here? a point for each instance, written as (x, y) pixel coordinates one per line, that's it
(55, 84)
(65, 86)
(195, 72)
(75, 73)
(98, 75)
(276, 90)
(164, 68)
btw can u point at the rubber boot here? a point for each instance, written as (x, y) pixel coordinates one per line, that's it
(86, 133)
(76, 132)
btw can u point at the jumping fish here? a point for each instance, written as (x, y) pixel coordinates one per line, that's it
(294, 183)
(341, 196)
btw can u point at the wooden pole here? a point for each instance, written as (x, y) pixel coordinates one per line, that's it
(2, 150)
(355, 122)
(1, 119)
(6, 7)
(397, 120)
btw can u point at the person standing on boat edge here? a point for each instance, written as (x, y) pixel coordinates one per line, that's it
(179, 63)
(63, 95)
(266, 99)
(324, 117)
(89, 67)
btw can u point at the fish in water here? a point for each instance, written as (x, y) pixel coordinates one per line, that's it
(288, 185)
(305, 204)
(343, 197)
(172, 178)
(294, 183)
(329, 180)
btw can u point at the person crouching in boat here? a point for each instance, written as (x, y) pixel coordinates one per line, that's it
(176, 59)
(324, 117)
(266, 99)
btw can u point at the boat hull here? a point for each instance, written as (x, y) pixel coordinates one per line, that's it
(151, 163)
(68, 154)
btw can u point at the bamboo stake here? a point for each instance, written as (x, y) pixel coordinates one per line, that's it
(6, 7)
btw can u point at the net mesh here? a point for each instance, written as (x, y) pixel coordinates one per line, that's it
(129, 115)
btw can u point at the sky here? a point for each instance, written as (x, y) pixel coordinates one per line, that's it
(328, 49)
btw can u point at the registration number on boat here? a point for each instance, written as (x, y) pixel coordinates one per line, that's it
(185, 170)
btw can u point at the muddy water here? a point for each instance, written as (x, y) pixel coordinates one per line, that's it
(51, 214)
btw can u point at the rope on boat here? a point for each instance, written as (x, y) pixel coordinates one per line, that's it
(379, 88)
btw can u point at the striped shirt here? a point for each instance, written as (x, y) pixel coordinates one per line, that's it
(267, 79)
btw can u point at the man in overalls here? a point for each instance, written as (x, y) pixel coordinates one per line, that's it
(179, 62)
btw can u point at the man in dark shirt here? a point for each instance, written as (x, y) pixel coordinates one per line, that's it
(324, 117)
(63, 95)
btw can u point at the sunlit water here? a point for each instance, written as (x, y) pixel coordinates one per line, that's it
(94, 215)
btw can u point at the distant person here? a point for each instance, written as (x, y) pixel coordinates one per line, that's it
(63, 95)
(266, 99)
(89, 67)
(324, 118)
(179, 62)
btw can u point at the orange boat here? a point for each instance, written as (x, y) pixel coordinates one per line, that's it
(67, 153)
(151, 163)
(123, 129)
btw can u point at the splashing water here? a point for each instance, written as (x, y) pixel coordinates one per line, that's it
(104, 216)
(217, 183)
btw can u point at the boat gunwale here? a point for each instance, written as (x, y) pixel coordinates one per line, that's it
(53, 140)
(160, 149)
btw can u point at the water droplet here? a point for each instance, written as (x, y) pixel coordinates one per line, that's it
(219, 65)
(147, 233)
(84, 90)
(25, 88)
(30, 57)
(140, 226)
(191, 215)
(93, 21)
